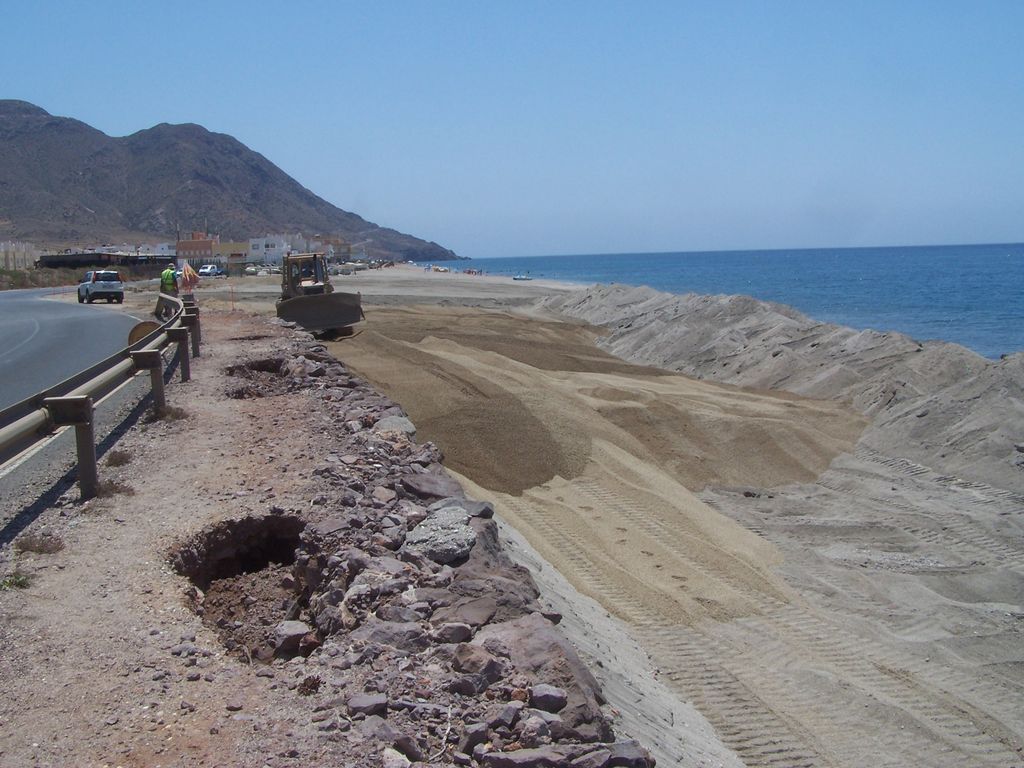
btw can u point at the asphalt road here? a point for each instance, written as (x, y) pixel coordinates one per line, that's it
(31, 484)
(43, 342)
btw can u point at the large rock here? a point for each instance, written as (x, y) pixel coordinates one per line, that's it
(288, 635)
(395, 424)
(405, 635)
(444, 537)
(624, 754)
(368, 704)
(506, 715)
(489, 572)
(533, 731)
(597, 759)
(383, 494)
(430, 485)
(472, 659)
(550, 756)
(538, 651)
(453, 632)
(476, 733)
(629, 754)
(472, 611)
(548, 697)
(479, 509)
(377, 728)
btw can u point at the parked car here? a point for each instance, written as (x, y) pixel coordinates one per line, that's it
(210, 270)
(101, 284)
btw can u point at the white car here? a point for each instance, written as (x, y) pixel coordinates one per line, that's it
(210, 270)
(101, 284)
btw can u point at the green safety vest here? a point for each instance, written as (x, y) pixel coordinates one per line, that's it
(167, 283)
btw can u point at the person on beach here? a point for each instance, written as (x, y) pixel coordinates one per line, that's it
(168, 287)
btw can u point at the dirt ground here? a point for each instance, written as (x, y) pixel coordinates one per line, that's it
(90, 653)
(818, 603)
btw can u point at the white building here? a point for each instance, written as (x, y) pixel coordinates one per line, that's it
(158, 251)
(270, 249)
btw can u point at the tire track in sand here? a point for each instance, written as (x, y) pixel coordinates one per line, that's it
(758, 679)
(746, 724)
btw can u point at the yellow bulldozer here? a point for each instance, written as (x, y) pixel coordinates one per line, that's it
(308, 299)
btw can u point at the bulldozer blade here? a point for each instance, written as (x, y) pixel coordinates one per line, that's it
(322, 312)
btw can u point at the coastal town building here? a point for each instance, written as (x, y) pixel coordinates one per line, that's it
(270, 249)
(197, 249)
(232, 256)
(336, 248)
(161, 250)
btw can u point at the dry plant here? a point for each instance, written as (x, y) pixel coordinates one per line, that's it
(39, 543)
(106, 488)
(16, 580)
(169, 413)
(118, 458)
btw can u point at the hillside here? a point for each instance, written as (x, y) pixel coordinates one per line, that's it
(64, 182)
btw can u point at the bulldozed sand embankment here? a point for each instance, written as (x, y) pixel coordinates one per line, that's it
(822, 554)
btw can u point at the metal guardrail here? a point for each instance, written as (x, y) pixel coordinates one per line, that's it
(72, 402)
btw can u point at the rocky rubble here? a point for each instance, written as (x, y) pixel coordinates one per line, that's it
(391, 603)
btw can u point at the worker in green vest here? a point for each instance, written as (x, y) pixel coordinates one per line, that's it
(168, 287)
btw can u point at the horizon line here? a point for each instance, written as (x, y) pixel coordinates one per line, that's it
(751, 250)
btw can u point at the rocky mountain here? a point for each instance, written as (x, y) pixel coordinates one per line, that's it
(64, 182)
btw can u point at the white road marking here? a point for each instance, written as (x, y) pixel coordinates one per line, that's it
(23, 342)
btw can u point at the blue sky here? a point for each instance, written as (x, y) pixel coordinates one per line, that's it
(522, 128)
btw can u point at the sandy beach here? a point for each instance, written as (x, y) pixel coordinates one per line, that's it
(815, 598)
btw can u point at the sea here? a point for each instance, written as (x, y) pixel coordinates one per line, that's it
(968, 294)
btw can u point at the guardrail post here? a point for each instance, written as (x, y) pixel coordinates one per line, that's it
(194, 312)
(150, 359)
(180, 337)
(78, 411)
(191, 322)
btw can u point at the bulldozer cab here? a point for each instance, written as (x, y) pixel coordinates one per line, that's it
(304, 274)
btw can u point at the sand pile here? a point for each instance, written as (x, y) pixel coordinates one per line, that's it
(541, 419)
(933, 402)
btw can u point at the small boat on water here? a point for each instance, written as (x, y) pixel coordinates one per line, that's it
(522, 277)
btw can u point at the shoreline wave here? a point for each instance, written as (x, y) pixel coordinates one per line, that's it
(961, 294)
